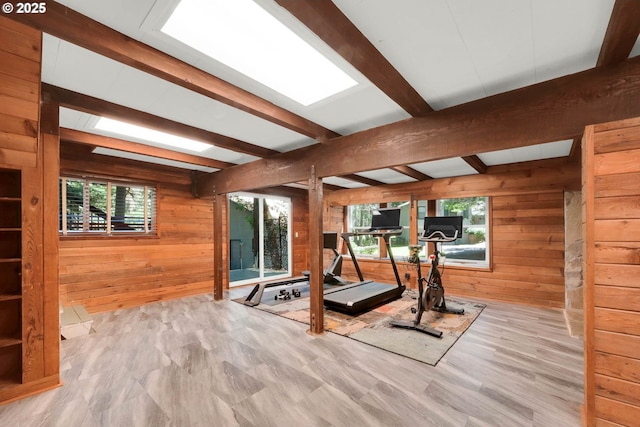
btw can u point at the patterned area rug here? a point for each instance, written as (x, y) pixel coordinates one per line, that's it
(373, 326)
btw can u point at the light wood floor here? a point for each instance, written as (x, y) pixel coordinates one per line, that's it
(194, 362)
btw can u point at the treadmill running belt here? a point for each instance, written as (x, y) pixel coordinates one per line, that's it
(360, 297)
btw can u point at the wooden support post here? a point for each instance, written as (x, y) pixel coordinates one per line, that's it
(316, 320)
(413, 221)
(50, 148)
(382, 247)
(218, 263)
(32, 272)
(431, 211)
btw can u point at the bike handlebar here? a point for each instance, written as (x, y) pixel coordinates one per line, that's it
(438, 236)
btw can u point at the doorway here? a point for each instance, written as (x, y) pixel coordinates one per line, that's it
(259, 238)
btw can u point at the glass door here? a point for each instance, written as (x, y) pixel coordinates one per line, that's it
(275, 236)
(259, 238)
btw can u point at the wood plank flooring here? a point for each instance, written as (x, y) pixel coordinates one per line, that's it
(195, 362)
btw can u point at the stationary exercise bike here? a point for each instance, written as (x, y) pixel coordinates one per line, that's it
(437, 230)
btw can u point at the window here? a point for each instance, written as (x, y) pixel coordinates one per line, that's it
(105, 207)
(400, 244)
(360, 219)
(473, 247)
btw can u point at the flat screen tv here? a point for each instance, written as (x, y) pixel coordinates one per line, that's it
(447, 225)
(385, 219)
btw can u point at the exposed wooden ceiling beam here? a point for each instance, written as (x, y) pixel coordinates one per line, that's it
(79, 137)
(475, 162)
(538, 176)
(325, 19)
(67, 24)
(622, 32)
(362, 179)
(330, 187)
(575, 154)
(99, 107)
(409, 171)
(549, 111)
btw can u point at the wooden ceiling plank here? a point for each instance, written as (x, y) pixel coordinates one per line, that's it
(409, 171)
(475, 162)
(549, 111)
(99, 107)
(67, 24)
(622, 32)
(79, 137)
(327, 21)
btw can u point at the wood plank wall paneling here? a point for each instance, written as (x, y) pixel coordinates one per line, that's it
(611, 214)
(300, 246)
(527, 226)
(20, 52)
(109, 273)
(332, 221)
(33, 366)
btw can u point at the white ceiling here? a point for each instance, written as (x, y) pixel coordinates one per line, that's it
(451, 52)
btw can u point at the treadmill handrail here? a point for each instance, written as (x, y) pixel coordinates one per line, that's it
(385, 234)
(345, 237)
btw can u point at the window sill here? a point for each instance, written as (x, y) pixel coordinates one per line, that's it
(467, 266)
(425, 263)
(91, 236)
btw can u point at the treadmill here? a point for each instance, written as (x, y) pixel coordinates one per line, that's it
(367, 294)
(331, 275)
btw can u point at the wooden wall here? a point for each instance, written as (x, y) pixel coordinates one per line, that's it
(107, 273)
(20, 51)
(29, 345)
(611, 214)
(300, 244)
(527, 230)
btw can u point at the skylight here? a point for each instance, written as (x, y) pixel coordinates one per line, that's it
(146, 134)
(245, 37)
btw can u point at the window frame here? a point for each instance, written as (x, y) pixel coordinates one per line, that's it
(469, 263)
(260, 243)
(416, 222)
(150, 209)
(382, 252)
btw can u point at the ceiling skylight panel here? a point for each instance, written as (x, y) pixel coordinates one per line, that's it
(146, 134)
(245, 37)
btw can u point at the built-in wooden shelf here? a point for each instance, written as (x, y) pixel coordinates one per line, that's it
(9, 381)
(9, 341)
(10, 278)
(9, 297)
